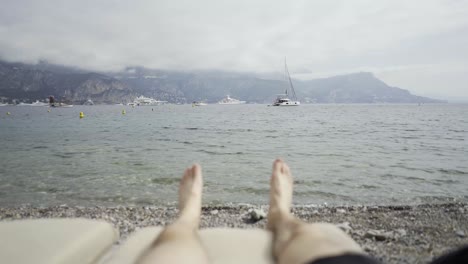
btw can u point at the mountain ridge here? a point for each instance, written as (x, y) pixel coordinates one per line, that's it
(20, 82)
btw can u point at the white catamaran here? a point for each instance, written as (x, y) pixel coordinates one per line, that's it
(283, 99)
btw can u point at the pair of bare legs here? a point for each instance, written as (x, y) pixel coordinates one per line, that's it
(295, 242)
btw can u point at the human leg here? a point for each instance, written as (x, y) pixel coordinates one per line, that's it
(296, 242)
(179, 242)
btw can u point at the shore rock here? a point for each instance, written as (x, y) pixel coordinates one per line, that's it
(257, 214)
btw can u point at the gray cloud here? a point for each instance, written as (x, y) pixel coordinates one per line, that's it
(418, 45)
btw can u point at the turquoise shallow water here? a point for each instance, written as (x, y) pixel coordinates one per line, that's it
(339, 154)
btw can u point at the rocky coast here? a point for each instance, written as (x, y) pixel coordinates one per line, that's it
(392, 234)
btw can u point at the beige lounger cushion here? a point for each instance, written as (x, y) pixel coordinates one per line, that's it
(53, 241)
(223, 245)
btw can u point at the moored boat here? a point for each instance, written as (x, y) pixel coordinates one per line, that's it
(145, 101)
(197, 103)
(38, 103)
(53, 103)
(283, 99)
(230, 101)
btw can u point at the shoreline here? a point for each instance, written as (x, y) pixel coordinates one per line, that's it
(390, 233)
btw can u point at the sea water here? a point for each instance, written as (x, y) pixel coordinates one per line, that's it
(338, 154)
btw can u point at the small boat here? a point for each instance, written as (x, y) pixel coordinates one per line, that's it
(283, 99)
(60, 105)
(53, 103)
(196, 103)
(230, 101)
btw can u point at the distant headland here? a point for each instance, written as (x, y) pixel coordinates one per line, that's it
(21, 82)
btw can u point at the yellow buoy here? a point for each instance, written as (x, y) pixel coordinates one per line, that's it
(123, 112)
(81, 114)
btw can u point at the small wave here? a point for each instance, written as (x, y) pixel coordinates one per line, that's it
(457, 131)
(448, 181)
(412, 169)
(63, 156)
(216, 146)
(220, 153)
(452, 171)
(165, 181)
(323, 195)
(40, 147)
(455, 138)
(368, 187)
(308, 183)
(49, 189)
(250, 190)
(409, 137)
(240, 130)
(113, 198)
(149, 149)
(417, 179)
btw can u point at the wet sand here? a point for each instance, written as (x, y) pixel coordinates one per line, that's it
(392, 234)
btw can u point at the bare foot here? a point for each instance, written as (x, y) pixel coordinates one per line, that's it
(190, 195)
(281, 190)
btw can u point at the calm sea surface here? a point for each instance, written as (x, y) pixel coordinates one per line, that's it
(339, 154)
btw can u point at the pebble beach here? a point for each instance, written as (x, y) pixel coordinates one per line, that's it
(392, 234)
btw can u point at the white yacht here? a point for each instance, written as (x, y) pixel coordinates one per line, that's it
(230, 101)
(38, 103)
(283, 99)
(23, 104)
(144, 101)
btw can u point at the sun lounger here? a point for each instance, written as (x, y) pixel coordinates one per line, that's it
(224, 245)
(83, 241)
(53, 241)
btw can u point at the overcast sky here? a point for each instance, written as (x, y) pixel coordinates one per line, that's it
(417, 45)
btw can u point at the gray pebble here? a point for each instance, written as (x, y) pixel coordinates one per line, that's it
(379, 235)
(345, 226)
(400, 232)
(460, 233)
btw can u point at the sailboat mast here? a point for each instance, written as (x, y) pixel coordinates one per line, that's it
(289, 78)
